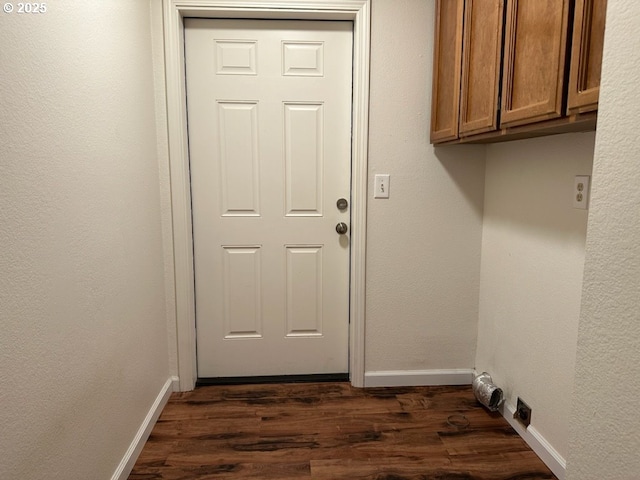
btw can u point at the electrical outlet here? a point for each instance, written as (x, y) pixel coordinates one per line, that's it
(522, 413)
(581, 192)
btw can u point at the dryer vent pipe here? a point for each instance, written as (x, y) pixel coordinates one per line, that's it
(487, 393)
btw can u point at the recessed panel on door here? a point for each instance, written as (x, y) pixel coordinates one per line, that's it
(236, 57)
(239, 162)
(242, 292)
(303, 59)
(304, 140)
(304, 291)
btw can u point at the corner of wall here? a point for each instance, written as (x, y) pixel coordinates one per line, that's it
(531, 274)
(137, 444)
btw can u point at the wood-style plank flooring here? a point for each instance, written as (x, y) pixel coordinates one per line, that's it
(329, 431)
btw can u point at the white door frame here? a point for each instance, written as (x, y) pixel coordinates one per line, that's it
(174, 12)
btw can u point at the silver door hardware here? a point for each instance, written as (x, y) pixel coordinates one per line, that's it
(342, 204)
(341, 228)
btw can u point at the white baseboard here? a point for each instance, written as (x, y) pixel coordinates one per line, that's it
(556, 463)
(130, 457)
(175, 383)
(414, 378)
(405, 378)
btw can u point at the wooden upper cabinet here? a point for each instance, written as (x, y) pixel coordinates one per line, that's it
(586, 56)
(502, 69)
(534, 61)
(481, 54)
(447, 55)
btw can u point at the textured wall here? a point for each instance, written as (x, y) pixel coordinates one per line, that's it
(605, 428)
(423, 243)
(531, 275)
(83, 349)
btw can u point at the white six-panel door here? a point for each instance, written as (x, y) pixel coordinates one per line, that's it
(269, 115)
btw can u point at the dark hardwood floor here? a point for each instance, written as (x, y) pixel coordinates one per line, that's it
(329, 431)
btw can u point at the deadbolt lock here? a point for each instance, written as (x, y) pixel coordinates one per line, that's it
(342, 204)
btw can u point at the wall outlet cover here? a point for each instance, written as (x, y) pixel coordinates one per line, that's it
(522, 413)
(581, 192)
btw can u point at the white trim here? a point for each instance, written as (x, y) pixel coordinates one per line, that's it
(132, 453)
(556, 463)
(412, 378)
(175, 384)
(175, 11)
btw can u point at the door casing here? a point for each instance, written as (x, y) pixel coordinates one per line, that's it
(174, 12)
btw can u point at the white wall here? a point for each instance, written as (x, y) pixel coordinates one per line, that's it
(82, 297)
(423, 243)
(605, 426)
(531, 276)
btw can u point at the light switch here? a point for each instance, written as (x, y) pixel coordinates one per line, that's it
(381, 187)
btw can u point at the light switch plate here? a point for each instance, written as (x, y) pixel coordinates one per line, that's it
(381, 187)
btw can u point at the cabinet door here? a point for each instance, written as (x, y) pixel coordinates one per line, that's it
(447, 55)
(534, 60)
(481, 54)
(586, 55)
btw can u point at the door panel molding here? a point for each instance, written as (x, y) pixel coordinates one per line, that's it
(174, 12)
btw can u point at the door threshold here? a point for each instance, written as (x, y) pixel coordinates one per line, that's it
(314, 378)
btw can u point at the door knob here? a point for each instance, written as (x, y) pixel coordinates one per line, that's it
(342, 228)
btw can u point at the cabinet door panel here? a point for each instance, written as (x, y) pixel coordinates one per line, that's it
(586, 55)
(534, 60)
(447, 58)
(481, 54)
